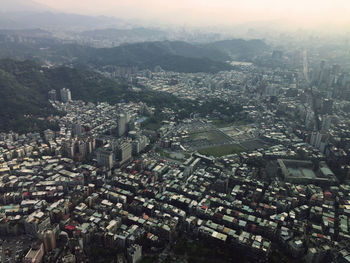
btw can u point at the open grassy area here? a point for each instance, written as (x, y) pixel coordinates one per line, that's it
(212, 136)
(222, 150)
(219, 123)
(153, 126)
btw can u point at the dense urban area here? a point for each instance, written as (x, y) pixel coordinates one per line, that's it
(131, 145)
(109, 183)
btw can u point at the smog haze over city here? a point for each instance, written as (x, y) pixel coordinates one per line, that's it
(222, 12)
(174, 131)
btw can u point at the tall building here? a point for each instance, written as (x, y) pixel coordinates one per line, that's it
(139, 144)
(326, 123)
(105, 157)
(124, 152)
(52, 95)
(49, 239)
(82, 148)
(127, 117)
(327, 106)
(77, 129)
(136, 147)
(309, 120)
(121, 122)
(65, 95)
(134, 253)
(49, 135)
(319, 140)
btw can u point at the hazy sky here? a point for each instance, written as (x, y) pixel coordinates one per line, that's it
(205, 12)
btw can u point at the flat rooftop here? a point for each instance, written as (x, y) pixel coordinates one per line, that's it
(301, 172)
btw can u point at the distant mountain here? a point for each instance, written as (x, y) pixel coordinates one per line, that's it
(239, 48)
(176, 56)
(114, 34)
(15, 6)
(52, 20)
(170, 55)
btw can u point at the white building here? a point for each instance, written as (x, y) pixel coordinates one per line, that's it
(66, 95)
(121, 124)
(134, 253)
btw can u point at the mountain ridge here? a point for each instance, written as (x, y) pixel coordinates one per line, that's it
(178, 56)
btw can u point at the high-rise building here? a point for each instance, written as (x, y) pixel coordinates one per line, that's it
(309, 120)
(105, 157)
(69, 149)
(124, 152)
(77, 129)
(319, 140)
(134, 253)
(326, 123)
(49, 239)
(327, 106)
(82, 148)
(136, 147)
(121, 122)
(127, 116)
(144, 141)
(66, 95)
(49, 135)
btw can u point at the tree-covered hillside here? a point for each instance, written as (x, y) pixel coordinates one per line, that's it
(175, 56)
(24, 87)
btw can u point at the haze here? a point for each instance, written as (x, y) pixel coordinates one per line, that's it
(214, 12)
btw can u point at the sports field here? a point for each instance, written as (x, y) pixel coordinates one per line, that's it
(222, 150)
(212, 136)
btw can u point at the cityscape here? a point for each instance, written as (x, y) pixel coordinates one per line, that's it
(128, 143)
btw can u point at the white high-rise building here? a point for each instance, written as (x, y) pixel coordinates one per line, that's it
(66, 95)
(121, 122)
(124, 152)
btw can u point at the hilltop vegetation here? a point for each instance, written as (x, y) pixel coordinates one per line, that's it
(24, 87)
(175, 56)
(240, 49)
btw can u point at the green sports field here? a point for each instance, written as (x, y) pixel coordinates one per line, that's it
(222, 150)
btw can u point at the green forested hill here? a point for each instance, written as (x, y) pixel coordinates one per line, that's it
(24, 87)
(19, 103)
(175, 56)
